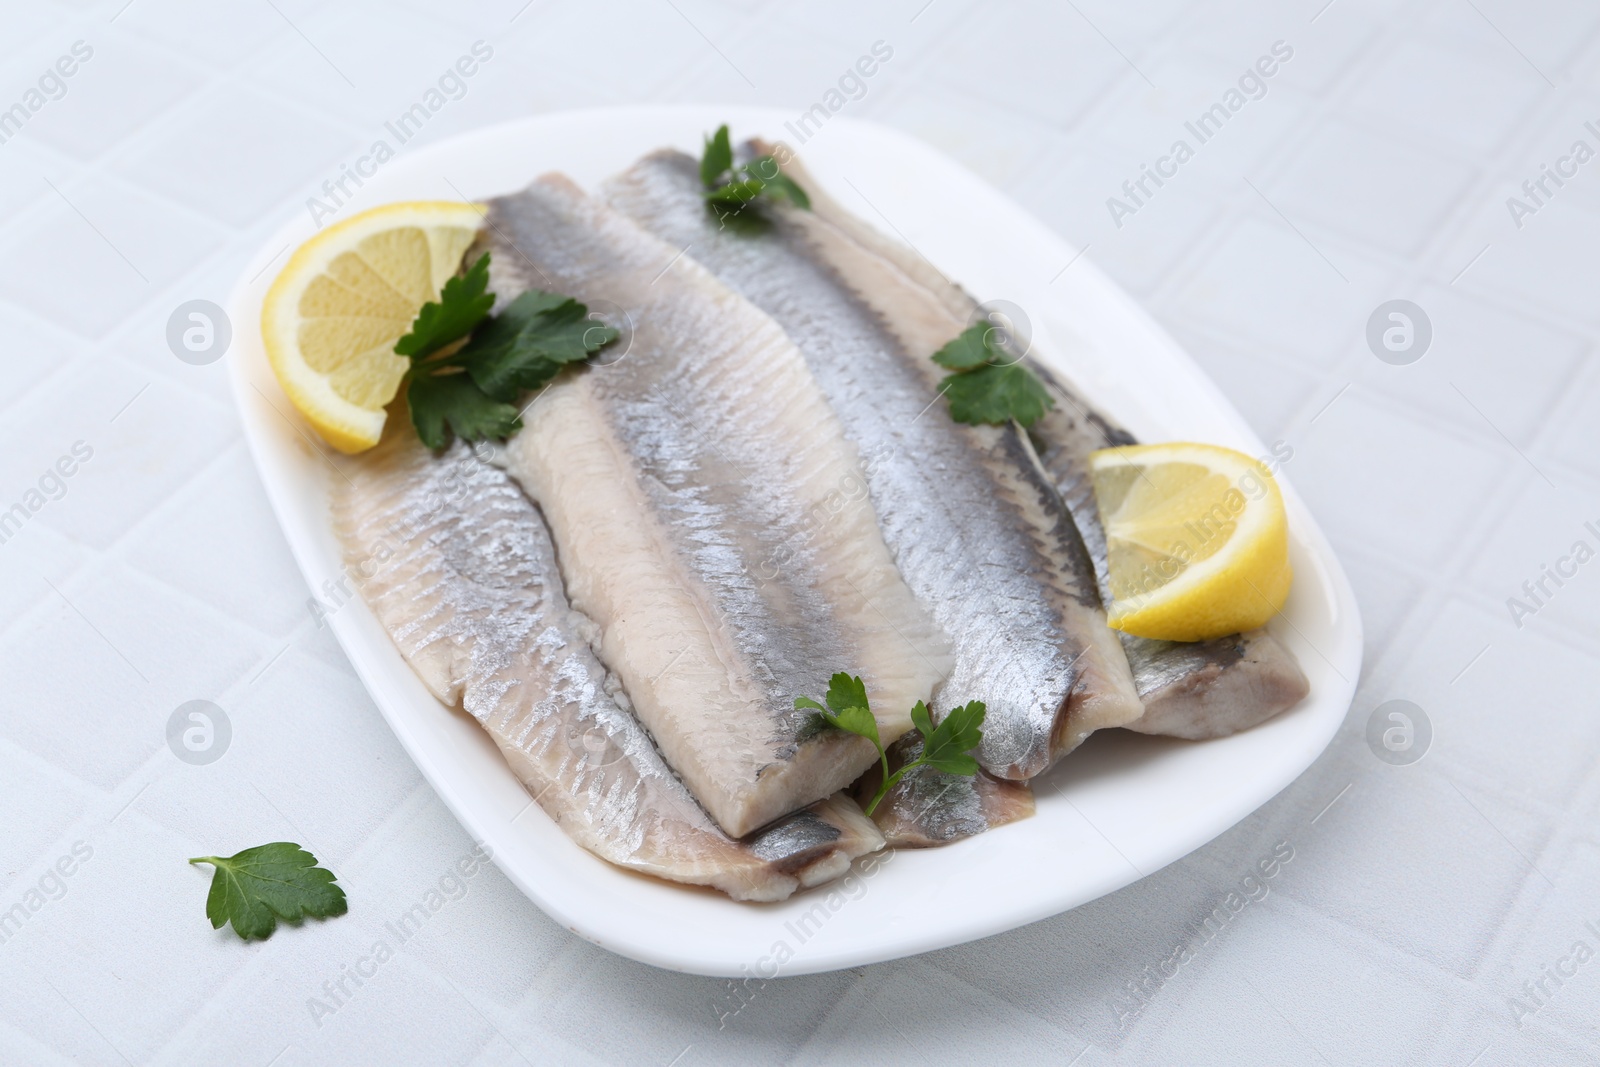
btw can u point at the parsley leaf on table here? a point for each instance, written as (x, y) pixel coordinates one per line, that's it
(945, 747)
(731, 187)
(988, 384)
(257, 887)
(461, 306)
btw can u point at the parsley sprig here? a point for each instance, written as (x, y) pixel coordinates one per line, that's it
(255, 888)
(468, 367)
(945, 747)
(730, 188)
(988, 384)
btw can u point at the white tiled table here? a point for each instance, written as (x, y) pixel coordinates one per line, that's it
(1419, 899)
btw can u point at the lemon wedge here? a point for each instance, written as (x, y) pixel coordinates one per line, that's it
(333, 314)
(1197, 540)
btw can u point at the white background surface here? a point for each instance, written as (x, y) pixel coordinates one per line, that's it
(1377, 166)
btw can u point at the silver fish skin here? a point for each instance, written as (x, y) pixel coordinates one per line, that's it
(1195, 690)
(691, 490)
(1191, 690)
(976, 527)
(457, 565)
(928, 808)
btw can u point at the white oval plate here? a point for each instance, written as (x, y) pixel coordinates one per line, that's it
(1124, 806)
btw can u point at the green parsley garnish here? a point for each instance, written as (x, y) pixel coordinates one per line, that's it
(945, 747)
(730, 188)
(451, 402)
(988, 384)
(257, 887)
(470, 388)
(529, 342)
(460, 307)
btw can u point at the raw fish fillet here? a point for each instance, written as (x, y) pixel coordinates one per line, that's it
(976, 527)
(1195, 689)
(928, 807)
(457, 565)
(1200, 690)
(693, 491)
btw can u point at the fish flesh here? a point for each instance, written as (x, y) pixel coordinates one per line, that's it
(692, 490)
(928, 807)
(1194, 690)
(457, 565)
(1029, 631)
(1191, 690)
(976, 528)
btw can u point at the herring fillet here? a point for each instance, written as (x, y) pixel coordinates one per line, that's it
(457, 565)
(689, 487)
(975, 526)
(928, 808)
(1194, 690)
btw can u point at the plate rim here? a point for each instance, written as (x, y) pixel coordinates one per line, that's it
(353, 628)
